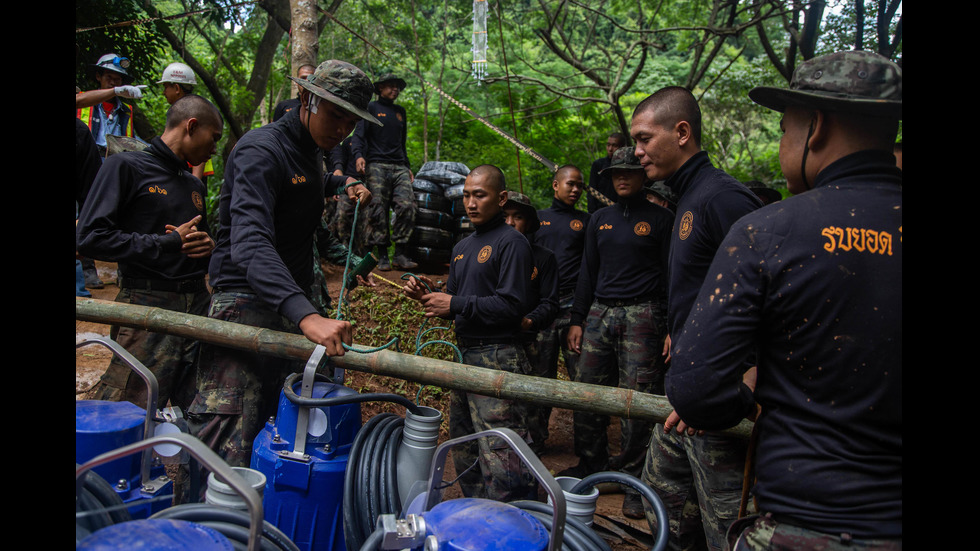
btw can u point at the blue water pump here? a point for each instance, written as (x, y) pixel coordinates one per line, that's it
(326, 475)
(101, 426)
(303, 454)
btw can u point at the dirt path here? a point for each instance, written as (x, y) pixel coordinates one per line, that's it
(623, 534)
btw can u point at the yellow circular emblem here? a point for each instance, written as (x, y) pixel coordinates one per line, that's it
(576, 225)
(198, 201)
(484, 254)
(641, 228)
(687, 224)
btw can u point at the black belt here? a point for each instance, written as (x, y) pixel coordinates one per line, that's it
(173, 286)
(614, 302)
(246, 290)
(465, 342)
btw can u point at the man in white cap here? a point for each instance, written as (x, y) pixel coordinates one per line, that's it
(178, 80)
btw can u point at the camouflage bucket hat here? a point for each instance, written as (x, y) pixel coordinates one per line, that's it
(624, 159)
(389, 77)
(854, 82)
(342, 84)
(523, 203)
(661, 190)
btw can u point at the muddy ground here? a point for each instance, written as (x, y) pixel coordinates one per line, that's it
(622, 533)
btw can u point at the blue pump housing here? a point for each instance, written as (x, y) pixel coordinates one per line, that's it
(303, 496)
(102, 426)
(471, 524)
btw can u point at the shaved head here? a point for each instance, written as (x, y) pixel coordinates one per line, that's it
(672, 105)
(193, 106)
(493, 175)
(565, 171)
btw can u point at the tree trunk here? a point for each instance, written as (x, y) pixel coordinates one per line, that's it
(304, 36)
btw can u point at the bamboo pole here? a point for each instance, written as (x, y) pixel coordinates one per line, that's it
(617, 402)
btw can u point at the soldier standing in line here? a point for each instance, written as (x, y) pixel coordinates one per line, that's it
(381, 156)
(487, 295)
(617, 321)
(521, 215)
(563, 232)
(699, 478)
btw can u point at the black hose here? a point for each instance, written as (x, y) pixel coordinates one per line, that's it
(659, 510)
(232, 523)
(577, 535)
(373, 542)
(98, 504)
(370, 481)
(341, 400)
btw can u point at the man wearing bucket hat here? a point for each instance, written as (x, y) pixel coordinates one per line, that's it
(521, 215)
(380, 154)
(702, 473)
(261, 269)
(813, 283)
(617, 321)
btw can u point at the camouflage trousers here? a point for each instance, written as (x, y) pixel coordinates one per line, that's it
(238, 391)
(501, 475)
(621, 346)
(699, 479)
(342, 223)
(543, 356)
(171, 359)
(766, 534)
(391, 188)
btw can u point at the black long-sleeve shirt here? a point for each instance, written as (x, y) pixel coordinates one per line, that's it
(563, 232)
(270, 206)
(382, 144)
(812, 283)
(544, 289)
(710, 201)
(601, 182)
(489, 278)
(626, 249)
(134, 197)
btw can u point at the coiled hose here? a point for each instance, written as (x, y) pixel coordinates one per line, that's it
(97, 506)
(370, 482)
(577, 536)
(659, 510)
(232, 523)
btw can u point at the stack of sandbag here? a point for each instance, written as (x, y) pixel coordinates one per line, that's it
(436, 222)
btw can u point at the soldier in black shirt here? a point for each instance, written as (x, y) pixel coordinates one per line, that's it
(563, 232)
(813, 283)
(617, 322)
(381, 156)
(145, 211)
(601, 193)
(520, 214)
(487, 295)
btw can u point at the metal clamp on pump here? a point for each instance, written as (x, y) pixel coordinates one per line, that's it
(527, 456)
(152, 396)
(208, 458)
(303, 413)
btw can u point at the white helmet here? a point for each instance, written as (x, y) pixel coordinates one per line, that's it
(179, 73)
(116, 64)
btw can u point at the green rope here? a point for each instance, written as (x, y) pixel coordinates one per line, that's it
(419, 345)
